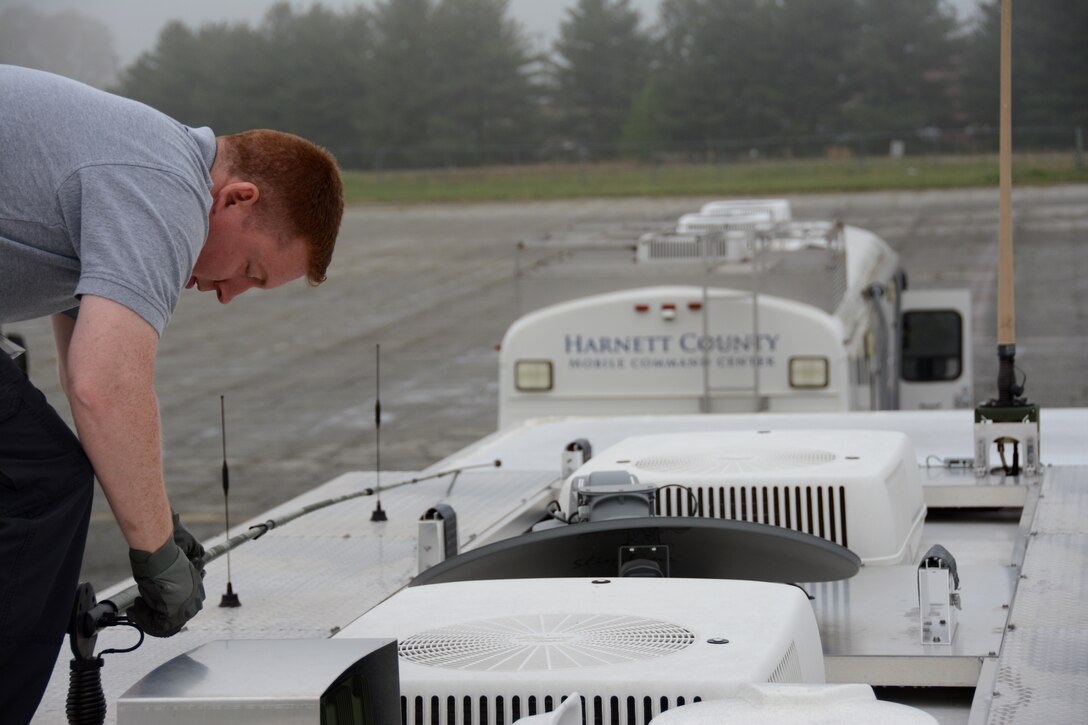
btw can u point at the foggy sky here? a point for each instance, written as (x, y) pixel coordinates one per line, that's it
(136, 23)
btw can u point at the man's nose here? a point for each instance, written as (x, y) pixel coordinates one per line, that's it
(230, 289)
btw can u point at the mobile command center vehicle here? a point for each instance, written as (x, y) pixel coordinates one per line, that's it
(737, 309)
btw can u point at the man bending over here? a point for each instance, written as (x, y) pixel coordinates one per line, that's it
(107, 209)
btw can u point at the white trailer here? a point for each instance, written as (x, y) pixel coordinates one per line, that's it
(781, 316)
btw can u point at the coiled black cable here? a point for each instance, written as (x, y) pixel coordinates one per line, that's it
(86, 704)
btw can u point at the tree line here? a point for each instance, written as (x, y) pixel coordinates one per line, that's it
(450, 82)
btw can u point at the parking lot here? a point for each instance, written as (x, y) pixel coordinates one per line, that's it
(433, 285)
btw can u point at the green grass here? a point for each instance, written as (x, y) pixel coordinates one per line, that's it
(617, 179)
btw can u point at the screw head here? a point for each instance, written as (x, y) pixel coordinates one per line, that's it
(717, 640)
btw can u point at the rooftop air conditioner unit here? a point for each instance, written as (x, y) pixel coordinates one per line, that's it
(777, 209)
(728, 245)
(496, 651)
(702, 223)
(859, 489)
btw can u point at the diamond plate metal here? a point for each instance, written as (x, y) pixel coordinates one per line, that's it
(1043, 668)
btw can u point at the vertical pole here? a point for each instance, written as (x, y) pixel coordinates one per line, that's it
(757, 281)
(1006, 313)
(1006, 322)
(704, 404)
(378, 514)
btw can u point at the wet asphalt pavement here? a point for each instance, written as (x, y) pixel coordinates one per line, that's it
(433, 285)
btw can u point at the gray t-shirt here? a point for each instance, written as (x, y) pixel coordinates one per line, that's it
(99, 195)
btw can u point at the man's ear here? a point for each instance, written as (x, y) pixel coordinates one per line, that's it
(243, 193)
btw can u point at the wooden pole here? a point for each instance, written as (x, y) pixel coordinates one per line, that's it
(1006, 314)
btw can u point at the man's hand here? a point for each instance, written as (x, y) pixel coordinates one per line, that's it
(184, 538)
(171, 590)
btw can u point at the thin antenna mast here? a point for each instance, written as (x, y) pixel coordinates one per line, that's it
(378, 514)
(1007, 390)
(1009, 418)
(229, 598)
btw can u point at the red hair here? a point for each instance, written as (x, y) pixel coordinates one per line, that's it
(302, 194)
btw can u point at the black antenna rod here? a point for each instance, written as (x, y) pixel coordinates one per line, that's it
(229, 599)
(378, 514)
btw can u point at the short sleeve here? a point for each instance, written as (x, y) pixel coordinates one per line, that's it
(137, 231)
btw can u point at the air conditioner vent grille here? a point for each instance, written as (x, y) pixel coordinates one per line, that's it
(498, 709)
(816, 510)
(545, 642)
(789, 669)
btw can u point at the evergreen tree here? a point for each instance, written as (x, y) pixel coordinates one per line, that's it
(644, 131)
(812, 80)
(400, 73)
(1049, 65)
(602, 62)
(482, 96)
(216, 76)
(318, 62)
(902, 63)
(718, 70)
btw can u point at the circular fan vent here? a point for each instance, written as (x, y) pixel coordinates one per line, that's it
(545, 642)
(731, 462)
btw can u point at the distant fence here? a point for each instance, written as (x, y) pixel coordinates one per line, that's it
(839, 146)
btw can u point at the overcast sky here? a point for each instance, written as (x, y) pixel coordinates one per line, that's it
(136, 23)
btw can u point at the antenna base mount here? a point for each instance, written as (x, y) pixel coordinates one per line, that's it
(229, 598)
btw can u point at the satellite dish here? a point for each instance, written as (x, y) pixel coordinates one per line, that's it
(684, 547)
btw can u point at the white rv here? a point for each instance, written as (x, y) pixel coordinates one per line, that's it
(745, 311)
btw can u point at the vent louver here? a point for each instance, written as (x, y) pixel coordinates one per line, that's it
(816, 510)
(545, 642)
(789, 669)
(508, 709)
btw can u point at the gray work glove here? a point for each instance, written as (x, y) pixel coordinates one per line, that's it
(184, 538)
(171, 590)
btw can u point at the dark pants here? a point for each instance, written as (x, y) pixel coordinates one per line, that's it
(46, 486)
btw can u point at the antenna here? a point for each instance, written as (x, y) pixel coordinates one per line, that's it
(1009, 417)
(229, 599)
(1007, 390)
(378, 514)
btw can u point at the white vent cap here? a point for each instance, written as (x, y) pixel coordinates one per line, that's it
(781, 704)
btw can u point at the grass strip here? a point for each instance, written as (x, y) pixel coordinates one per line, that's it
(758, 178)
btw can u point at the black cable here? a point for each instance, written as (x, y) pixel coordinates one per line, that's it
(124, 621)
(557, 512)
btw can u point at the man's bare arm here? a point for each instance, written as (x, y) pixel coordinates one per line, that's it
(107, 372)
(63, 325)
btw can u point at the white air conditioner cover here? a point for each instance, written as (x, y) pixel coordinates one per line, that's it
(772, 704)
(778, 209)
(697, 223)
(860, 489)
(651, 643)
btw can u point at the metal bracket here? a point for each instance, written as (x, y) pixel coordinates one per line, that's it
(938, 596)
(1017, 426)
(576, 453)
(437, 539)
